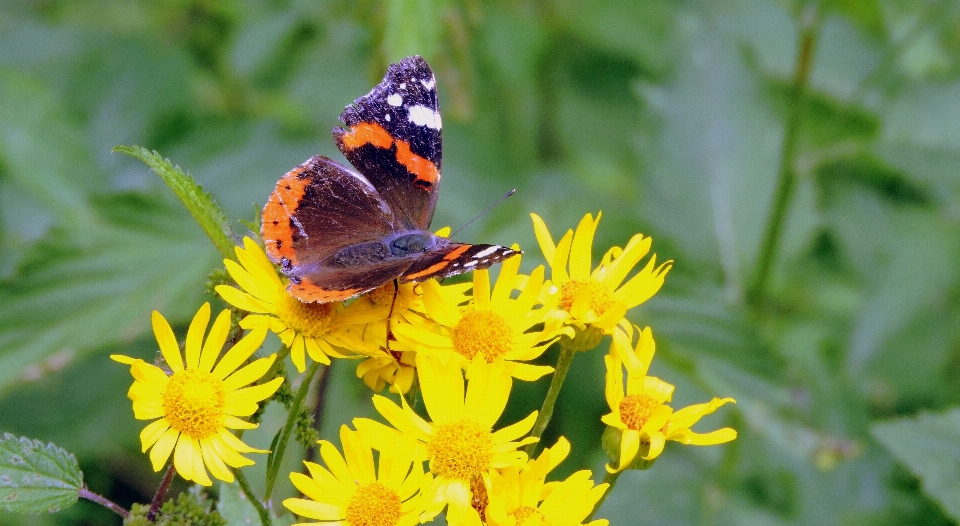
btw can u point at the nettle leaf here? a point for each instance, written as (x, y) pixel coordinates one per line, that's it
(929, 446)
(91, 285)
(200, 204)
(36, 477)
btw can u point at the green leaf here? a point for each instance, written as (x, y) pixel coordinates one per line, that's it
(36, 478)
(203, 208)
(94, 284)
(929, 446)
(237, 510)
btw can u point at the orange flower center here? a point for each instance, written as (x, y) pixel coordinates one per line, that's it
(374, 505)
(636, 409)
(309, 319)
(523, 514)
(193, 403)
(460, 450)
(600, 296)
(484, 333)
(480, 500)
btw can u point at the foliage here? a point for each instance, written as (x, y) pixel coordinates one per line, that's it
(670, 117)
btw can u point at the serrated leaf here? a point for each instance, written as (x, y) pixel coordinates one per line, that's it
(36, 477)
(94, 284)
(235, 507)
(200, 204)
(929, 446)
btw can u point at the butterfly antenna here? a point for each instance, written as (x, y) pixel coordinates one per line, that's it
(481, 214)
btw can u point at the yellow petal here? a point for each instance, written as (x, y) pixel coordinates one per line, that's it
(243, 301)
(167, 341)
(240, 352)
(515, 431)
(213, 461)
(249, 373)
(580, 252)
(163, 447)
(195, 336)
(215, 341)
(543, 237)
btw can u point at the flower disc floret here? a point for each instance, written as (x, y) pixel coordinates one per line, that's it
(483, 333)
(193, 402)
(374, 505)
(312, 320)
(460, 450)
(636, 409)
(600, 296)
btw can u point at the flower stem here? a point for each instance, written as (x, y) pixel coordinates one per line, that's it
(546, 411)
(273, 466)
(161, 493)
(609, 478)
(786, 176)
(265, 519)
(103, 501)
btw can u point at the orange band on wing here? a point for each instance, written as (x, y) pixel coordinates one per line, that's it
(454, 254)
(308, 292)
(372, 133)
(276, 230)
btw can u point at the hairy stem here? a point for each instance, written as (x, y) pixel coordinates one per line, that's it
(103, 501)
(265, 518)
(273, 467)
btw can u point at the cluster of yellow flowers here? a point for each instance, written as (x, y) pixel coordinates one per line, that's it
(466, 343)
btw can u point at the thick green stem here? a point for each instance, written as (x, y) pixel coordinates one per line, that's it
(609, 478)
(786, 177)
(273, 467)
(546, 412)
(265, 519)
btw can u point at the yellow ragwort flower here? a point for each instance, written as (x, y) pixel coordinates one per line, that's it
(201, 401)
(640, 412)
(522, 497)
(597, 297)
(460, 443)
(352, 491)
(392, 365)
(494, 326)
(312, 327)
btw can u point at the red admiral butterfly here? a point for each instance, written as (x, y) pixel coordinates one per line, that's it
(337, 233)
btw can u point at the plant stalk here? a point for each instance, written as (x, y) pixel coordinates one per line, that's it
(546, 411)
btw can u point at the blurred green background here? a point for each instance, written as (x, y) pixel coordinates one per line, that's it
(676, 119)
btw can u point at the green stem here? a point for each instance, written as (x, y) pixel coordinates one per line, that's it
(103, 501)
(546, 412)
(786, 176)
(265, 519)
(609, 478)
(273, 467)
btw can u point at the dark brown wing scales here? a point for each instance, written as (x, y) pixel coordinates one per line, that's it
(393, 137)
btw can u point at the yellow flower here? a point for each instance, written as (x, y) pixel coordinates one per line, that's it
(522, 497)
(199, 403)
(312, 327)
(460, 443)
(597, 297)
(392, 366)
(640, 413)
(495, 326)
(351, 491)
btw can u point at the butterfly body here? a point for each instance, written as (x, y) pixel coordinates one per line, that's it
(337, 233)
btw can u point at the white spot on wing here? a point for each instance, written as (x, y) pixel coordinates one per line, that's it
(395, 99)
(386, 117)
(470, 263)
(429, 84)
(486, 252)
(424, 116)
(403, 85)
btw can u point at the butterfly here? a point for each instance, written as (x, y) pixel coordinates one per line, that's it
(337, 233)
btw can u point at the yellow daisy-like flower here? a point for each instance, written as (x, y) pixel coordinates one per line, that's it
(522, 497)
(495, 326)
(597, 297)
(201, 401)
(392, 365)
(460, 443)
(640, 413)
(351, 491)
(314, 328)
